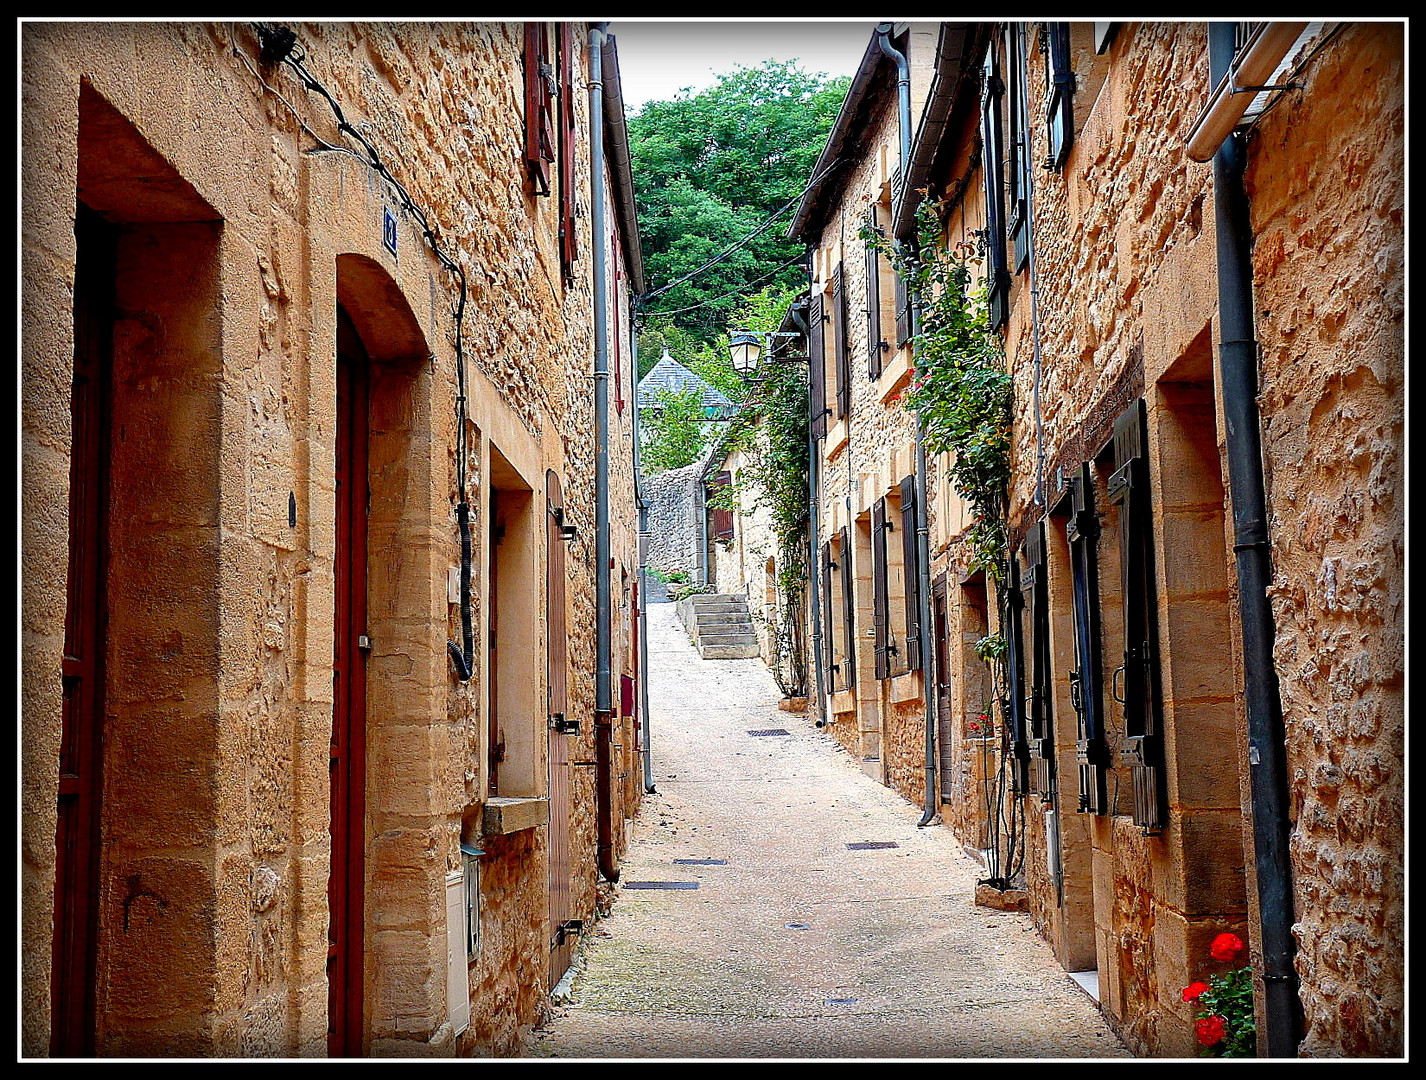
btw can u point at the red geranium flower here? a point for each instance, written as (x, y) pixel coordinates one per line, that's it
(1194, 991)
(1225, 947)
(1211, 1030)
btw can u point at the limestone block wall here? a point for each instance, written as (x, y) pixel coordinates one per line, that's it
(244, 241)
(673, 524)
(1326, 183)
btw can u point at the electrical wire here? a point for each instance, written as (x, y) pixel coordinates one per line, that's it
(729, 295)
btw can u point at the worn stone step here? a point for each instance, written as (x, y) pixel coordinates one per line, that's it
(741, 638)
(728, 652)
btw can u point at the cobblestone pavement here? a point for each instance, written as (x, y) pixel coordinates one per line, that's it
(782, 941)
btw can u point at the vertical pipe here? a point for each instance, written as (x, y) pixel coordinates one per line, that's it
(643, 703)
(1238, 359)
(603, 692)
(923, 532)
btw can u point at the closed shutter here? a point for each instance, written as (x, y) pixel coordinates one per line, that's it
(839, 342)
(829, 628)
(849, 630)
(722, 519)
(817, 366)
(911, 564)
(1138, 677)
(879, 599)
(1011, 614)
(903, 311)
(569, 248)
(992, 93)
(1039, 731)
(557, 659)
(873, 303)
(539, 125)
(1085, 679)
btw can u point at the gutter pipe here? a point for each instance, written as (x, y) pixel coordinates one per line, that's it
(923, 532)
(603, 695)
(1239, 79)
(1238, 376)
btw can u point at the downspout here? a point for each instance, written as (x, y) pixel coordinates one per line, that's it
(643, 703)
(1238, 363)
(923, 532)
(603, 693)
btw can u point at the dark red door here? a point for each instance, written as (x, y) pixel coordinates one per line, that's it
(82, 670)
(346, 888)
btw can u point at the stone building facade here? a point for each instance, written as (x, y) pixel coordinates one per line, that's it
(307, 311)
(1134, 765)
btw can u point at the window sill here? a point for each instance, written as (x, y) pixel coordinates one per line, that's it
(836, 438)
(906, 687)
(504, 816)
(844, 701)
(895, 375)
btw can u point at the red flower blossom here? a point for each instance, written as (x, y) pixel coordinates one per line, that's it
(1225, 947)
(1195, 990)
(1210, 1030)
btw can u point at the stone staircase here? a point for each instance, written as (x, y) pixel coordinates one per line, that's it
(719, 625)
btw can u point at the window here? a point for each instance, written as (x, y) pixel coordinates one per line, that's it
(1039, 728)
(838, 642)
(539, 90)
(721, 521)
(569, 248)
(1086, 695)
(816, 366)
(1059, 92)
(841, 352)
(1012, 605)
(1019, 223)
(992, 91)
(875, 344)
(895, 600)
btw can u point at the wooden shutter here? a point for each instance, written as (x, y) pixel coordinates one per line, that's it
(839, 342)
(722, 519)
(849, 631)
(1059, 98)
(1039, 729)
(1085, 678)
(873, 303)
(880, 606)
(539, 125)
(911, 563)
(1011, 611)
(556, 634)
(992, 93)
(1138, 677)
(817, 366)
(828, 623)
(1018, 224)
(903, 311)
(569, 248)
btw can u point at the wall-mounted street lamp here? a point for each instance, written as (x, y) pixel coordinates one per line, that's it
(746, 349)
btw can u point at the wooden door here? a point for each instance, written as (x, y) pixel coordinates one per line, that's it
(347, 885)
(561, 906)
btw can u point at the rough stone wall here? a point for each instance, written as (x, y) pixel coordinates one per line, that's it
(673, 525)
(1327, 184)
(300, 232)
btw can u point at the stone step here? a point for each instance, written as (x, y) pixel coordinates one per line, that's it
(738, 637)
(728, 652)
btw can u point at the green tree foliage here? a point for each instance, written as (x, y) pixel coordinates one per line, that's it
(672, 435)
(709, 169)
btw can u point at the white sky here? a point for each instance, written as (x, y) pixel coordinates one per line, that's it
(658, 58)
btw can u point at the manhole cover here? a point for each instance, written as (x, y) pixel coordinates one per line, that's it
(661, 885)
(798, 926)
(700, 862)
(872, 845)
(770, 731)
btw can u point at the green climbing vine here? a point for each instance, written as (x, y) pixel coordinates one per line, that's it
(961, 391)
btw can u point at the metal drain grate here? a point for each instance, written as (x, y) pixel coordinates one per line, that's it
(841, 1001)
(798, 926)
(872, 845)
(660, 884)
(770, 731)
(700, 862)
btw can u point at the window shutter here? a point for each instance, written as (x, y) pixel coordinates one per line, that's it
(992, 170)
(1040, 730)
(828, 626)
(873, 303)
(539, 128)
(1085, 679)
(903, 311)
(839, 342)
(879, 600)
(844, 560)
(817, 366)
(569, 248)
(1012, 604)
(1138, 677)
(1018, 91)
(1059, 99)
(722, 519)
(910, 541)
(556, 636)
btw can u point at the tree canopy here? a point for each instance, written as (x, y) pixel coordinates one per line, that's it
(709, 169)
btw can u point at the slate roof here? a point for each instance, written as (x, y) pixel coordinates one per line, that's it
(669, 374)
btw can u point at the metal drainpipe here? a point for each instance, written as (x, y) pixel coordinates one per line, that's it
(643, 578)
(1238, 364)
(923, 531)
(603, 696)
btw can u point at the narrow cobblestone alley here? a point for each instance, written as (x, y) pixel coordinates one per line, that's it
(747, 925)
